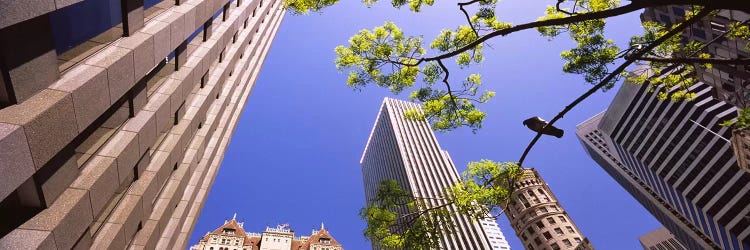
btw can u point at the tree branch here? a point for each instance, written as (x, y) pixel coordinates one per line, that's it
(543, 23)
(686, 60)
(614, 74)
(466, 14)
(448, 86)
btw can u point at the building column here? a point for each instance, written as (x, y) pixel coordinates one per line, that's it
(180, 55)
(28, 61)
(132, 16)
(207, 29)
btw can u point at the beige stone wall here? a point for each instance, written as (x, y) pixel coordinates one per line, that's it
(538, 218)
(741, 147)
(122, 150)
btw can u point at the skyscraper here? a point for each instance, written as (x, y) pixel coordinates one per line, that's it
(660, 239)
(676, 160)
(115, 115)
(408, 152)
(730, 82)
(538, 218)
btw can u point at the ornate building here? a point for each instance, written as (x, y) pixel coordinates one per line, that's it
(232, 236)
(539, 220)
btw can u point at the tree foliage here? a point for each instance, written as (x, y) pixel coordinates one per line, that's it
(388, 57)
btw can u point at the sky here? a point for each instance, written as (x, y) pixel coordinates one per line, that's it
(294, 157)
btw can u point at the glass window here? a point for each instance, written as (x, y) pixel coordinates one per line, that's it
(678, 11)
(551, 220)
(82, 21)
(562, 218)
(698, 33)
(148, 3)
(570, 229)
(558, 231)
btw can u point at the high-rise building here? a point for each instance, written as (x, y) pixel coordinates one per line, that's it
(676, 160)
(538, 218)
(408, 152)
(115, 115)
(660, 239)
(232, 236)
(731, 83)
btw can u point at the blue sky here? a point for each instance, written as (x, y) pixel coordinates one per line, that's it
(294, 157)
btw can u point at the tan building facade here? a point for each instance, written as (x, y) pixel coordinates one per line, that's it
(539, 220)
(660, 239)
(113, 141)
(232, 236)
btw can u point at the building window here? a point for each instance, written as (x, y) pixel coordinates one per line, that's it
(678, 11)
(567, 243)
(718, 27)
(558, 231)
(562, 218)
(577, 240)
(555, 246)
(570, 229)
(537, 241)
(80, 22)
(547, 235)
(551, 220)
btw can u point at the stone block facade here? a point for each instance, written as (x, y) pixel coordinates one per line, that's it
(120, 149)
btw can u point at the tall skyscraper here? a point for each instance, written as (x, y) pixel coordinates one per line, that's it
(232, 236)
(408, 152)
(115, 115)
(660, 239)
(676, 160)
(730, 82)
(538, 218)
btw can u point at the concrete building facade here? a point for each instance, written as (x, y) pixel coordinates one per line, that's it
(538, 219)
(232, 236)
(676, 160)
(408, 152)
(115, 115)
(660, 239)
